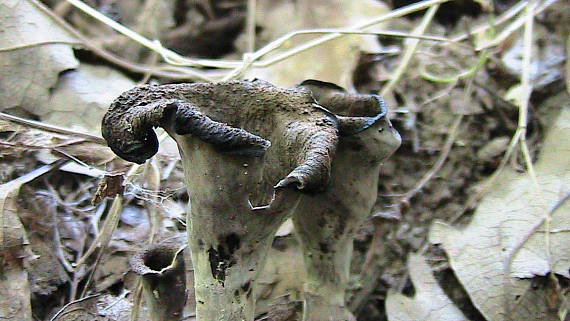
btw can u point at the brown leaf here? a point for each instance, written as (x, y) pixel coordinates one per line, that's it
(14, 286)
(333, 61)
(33, 51)
(505, 226)
(109, 186)
(429, 303)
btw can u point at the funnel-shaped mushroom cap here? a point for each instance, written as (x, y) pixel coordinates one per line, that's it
(241, 118)
(128, 126)
(355, 112)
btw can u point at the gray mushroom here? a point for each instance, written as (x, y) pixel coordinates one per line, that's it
(327, 222)
(249, 151)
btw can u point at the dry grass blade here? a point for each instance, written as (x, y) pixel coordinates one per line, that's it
(387, 33)
(526, 89)
(181, 74)
(313, 43)
(519, 22)
(453, 132)
(519, 137)
(168, 55)
(104, 236)
(410, 50)
(249, 59)
(43, 43)
(513, 11)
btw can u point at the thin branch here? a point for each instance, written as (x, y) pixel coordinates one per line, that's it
(454, 131)
(519, 137)
(249, 59)
(71, 303)
(52, 128)
(526, 89)
(185, 74)
(40, 43)
(491, 180)
(316, 42)
(515, 25)
(388, 33)
(439, 163)
(155, 45)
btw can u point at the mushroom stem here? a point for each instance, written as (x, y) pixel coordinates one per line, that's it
(228, 237)
(327, 222)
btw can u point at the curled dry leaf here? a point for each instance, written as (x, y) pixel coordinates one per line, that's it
(41, 75)
(14, 287)
(428, 304)
(508, 228)
(109, 186)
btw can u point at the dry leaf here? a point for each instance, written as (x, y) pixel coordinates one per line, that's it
(546, 66)
(333, 61)
(33, 51)
(109, 186)
(429, 303)
(504, 220)
(15, 301)
(82, 97)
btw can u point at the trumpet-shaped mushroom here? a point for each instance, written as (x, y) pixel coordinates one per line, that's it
(162, 269)
(326, 222)
(243, 144)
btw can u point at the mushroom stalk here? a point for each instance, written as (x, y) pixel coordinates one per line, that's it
(228, 238)
(327, 222)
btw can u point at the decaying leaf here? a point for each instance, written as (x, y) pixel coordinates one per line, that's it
(548, 57)
(33, 51)
(47, 147)
(504, 229)
(81, 97)
(333, 61)
(109, 186)
(430, 302)
(14, 286)
(114, 308)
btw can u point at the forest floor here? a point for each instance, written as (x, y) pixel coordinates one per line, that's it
(472, 220)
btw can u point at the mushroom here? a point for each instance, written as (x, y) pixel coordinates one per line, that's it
(162, 270)
(250, 150)
(327, 222)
